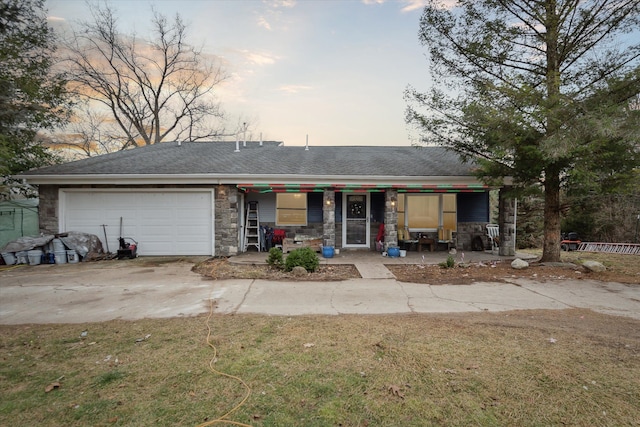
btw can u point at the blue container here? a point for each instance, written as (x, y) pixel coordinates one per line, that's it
(393, 252)
(327, 251)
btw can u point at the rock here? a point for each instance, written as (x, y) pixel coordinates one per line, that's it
(519, 264)
(299, 271)
(594, 266)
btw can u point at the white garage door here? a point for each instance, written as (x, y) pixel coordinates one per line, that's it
(162, 222)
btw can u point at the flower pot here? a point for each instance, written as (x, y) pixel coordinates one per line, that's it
(393, 252)
(327, 251)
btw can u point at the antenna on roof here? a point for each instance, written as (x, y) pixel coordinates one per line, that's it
(237, 150)
(306, 145)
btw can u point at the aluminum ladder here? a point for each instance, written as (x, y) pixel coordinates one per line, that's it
(252, 227)
(611, 248)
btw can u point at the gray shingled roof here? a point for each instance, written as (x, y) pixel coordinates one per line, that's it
(271, 158)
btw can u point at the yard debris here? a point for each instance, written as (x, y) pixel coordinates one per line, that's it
(395, 391)
(88, 246)
(26, 243)
(309, 345)
(146, 337)
(54, 385)
(552, 340)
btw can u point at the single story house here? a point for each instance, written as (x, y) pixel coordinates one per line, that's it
(208, 198)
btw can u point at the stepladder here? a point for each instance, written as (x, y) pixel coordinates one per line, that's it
(252, 227)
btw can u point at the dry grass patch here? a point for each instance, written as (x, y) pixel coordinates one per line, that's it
(571, 367)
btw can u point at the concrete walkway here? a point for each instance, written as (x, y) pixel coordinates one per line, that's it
(373, 271)
(95, 292)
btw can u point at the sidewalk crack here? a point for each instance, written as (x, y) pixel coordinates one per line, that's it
(333, 292)
(409, 305)
(244, 297)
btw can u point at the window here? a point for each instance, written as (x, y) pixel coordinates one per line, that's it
(427, 211)
(422, 211)
(291, 209)
(449, 220)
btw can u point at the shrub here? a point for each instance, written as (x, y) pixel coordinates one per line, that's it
(275, 258)
(449, 263)
(303, 257)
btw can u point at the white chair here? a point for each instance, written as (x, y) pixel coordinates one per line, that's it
(493, 233)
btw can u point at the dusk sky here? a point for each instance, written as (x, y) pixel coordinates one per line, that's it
(333, 69)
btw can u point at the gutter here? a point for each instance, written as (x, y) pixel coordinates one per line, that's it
(212, 179)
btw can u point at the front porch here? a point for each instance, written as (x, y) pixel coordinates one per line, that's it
(418, 220)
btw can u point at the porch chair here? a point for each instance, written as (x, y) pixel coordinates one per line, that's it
(445, 236)
(407, 241)
(493, 233)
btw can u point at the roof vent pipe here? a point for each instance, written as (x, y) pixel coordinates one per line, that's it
(306, 145)
(179, 143)
(244, 134)
(237, 150)
(260, 139)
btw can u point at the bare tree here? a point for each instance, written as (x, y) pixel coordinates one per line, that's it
(90, 133)
(155, 90)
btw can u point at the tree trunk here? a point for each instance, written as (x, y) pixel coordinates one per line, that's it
(551, 245)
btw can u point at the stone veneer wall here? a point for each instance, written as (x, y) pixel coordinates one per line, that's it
(390, 219)
(314, 230)
(226, 221)
(467, 231)
(507, 217)
(48, 209)
(329, 218)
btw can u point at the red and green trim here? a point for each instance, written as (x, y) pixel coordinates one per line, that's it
(364, 188)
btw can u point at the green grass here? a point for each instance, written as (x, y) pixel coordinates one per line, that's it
(486, 369)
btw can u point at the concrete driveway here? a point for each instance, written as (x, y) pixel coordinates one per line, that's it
(99, 291)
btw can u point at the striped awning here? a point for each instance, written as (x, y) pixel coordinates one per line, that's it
(364, 188)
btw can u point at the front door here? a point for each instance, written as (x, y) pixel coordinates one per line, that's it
(355, 220)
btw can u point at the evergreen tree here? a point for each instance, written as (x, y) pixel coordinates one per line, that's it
(539, 90)
(31, 96)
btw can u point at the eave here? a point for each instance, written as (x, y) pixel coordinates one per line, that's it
(248, 180)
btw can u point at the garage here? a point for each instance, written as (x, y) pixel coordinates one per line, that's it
(163, 222)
